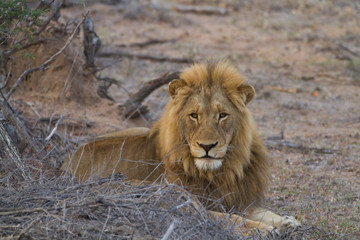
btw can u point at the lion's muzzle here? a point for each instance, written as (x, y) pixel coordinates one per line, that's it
(208, 156)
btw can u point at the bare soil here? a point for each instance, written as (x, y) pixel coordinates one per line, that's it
(302, 57)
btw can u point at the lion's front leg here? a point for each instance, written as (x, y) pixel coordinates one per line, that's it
(243, 225)
(269, 218)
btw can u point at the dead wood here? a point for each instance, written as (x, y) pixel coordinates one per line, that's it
(3, 72)
(280, 144)
(81, 123)
(208, 10)
(348, 50)
(55, 8)
(133, 107)
(122, 53)
(7, 148)
(55, 128)
(147, 43)
(10, 115)
(8, 151)
(281, 89)
(129, 212)
(91, 42)
(44, 65)
(103, 89)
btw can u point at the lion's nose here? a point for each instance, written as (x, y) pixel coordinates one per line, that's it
(207, 147)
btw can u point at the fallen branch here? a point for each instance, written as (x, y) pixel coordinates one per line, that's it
(147, 43)
(133, 107)
(209, 10)
(122, 53)
(280, 145)
(280, 89)
(81, 123)
(47, 62)
(348, 50)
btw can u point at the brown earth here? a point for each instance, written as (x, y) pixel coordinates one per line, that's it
(301, 56)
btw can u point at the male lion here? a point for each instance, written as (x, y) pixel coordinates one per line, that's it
(206, 141)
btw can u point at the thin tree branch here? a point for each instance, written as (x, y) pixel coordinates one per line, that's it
(133, 104)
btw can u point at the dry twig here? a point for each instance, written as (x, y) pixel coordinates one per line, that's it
(281, 89)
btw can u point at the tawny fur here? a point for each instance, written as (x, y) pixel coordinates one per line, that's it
(243, 177)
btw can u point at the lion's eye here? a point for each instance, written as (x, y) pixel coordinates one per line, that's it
(194, 115)
(223, 115)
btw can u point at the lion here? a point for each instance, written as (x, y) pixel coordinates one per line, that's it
(206, 141)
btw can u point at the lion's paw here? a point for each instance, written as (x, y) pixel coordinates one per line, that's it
(291, 228)
(289, 222)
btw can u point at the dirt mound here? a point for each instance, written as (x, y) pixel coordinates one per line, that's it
(63, 81)
(65, 89)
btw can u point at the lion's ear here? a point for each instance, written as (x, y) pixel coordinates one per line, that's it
(174, 86)
(247, 92)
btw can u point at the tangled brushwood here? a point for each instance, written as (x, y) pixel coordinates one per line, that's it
(61, 208)
(104, 209)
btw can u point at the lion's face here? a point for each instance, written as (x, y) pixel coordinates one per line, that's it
(208, 125)
(209, 103)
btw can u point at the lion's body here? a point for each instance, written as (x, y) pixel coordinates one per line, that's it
(119, 151)
(206, 140)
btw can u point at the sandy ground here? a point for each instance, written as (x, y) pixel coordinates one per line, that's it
(302, 57)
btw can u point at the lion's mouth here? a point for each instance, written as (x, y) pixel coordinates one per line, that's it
(208, 157)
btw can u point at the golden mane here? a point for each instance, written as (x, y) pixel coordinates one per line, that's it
(245, 175)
